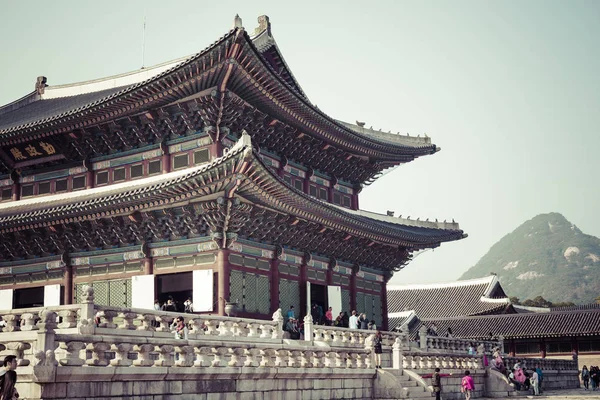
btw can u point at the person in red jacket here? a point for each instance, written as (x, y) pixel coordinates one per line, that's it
(467, 386)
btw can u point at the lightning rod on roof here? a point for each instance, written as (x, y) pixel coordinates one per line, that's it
(144, 39)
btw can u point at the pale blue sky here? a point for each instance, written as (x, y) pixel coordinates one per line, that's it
(509, 89)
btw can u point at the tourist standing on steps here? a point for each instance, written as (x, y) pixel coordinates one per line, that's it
(467, 386)
(534, 381)
(377, 342)
(8, 379)
(585, 377)
(436, 382)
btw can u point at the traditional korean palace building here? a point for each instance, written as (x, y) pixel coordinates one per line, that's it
(475, 308)
(211, 177)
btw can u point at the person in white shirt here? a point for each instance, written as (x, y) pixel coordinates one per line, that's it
(535, 383)
(354, 320)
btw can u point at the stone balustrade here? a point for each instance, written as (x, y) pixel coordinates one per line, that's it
(126, 351)
(345, 337)
(430, 361)
(27, 319)
(132, 321)
(444, 344)
(544, 363)
(457, 345)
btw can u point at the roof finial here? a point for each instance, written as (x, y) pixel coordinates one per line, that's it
(40, 84)
(237, 22)
(263, 25)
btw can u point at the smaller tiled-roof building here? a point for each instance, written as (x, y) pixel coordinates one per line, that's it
(477, 307)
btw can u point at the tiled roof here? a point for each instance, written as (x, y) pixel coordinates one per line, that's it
(396, 320)
(456, 299)
(43, 109)
(529, 325)
(592, 306)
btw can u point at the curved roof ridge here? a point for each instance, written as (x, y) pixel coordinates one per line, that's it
(415, 141)
(431, 286)
(400, 221)
(93, 85)
(501, 300)
(109, 82)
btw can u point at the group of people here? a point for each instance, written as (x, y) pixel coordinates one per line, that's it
(173, 306)
(432, 330)
(295, 326)
(467, 385)
(592, 375)
(518, 375)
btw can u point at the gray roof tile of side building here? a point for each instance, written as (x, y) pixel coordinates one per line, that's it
(528, 325)
(456, 299)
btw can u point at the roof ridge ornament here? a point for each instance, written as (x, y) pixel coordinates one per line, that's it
(263, 25)
(40, 85)
(237, 22)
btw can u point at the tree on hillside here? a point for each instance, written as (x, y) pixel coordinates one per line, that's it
(537, 301)
(598, 299)
(514, 300)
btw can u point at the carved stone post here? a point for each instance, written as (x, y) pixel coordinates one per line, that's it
(72, 350)
(165, 356)
(28, 322)
(397, 354)
(98, 354)
(423, 337)
(46, 326)
(202, 356)
(121, 355)
(278, 319)
(143, 351)
(308, 328)
(235, 357)
(87, 309)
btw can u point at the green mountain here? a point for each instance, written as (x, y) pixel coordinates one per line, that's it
(546, 256)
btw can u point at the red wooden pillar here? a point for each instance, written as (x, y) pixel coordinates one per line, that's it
(223, 279)
(216, 150)
(303, 294)
(68, 285)
(275, 285)
(148, 267)
(542, 348)
(512, 349)
(384, 307)
(166, 158)
(353, 290)
(16, 186)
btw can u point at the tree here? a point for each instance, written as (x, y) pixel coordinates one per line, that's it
(514, 300)
(537, 301)
(598, 300)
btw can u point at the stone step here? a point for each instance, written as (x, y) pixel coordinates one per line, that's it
(418, 394)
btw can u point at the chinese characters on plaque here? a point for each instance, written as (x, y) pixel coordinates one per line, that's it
(32, 150)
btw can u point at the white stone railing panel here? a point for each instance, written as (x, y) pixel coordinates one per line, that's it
(430, 361)
(199, 325)
(346, 337)
(27, 319)
(102, 351)
(544, 363)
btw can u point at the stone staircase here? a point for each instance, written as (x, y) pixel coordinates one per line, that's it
(396, 384)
